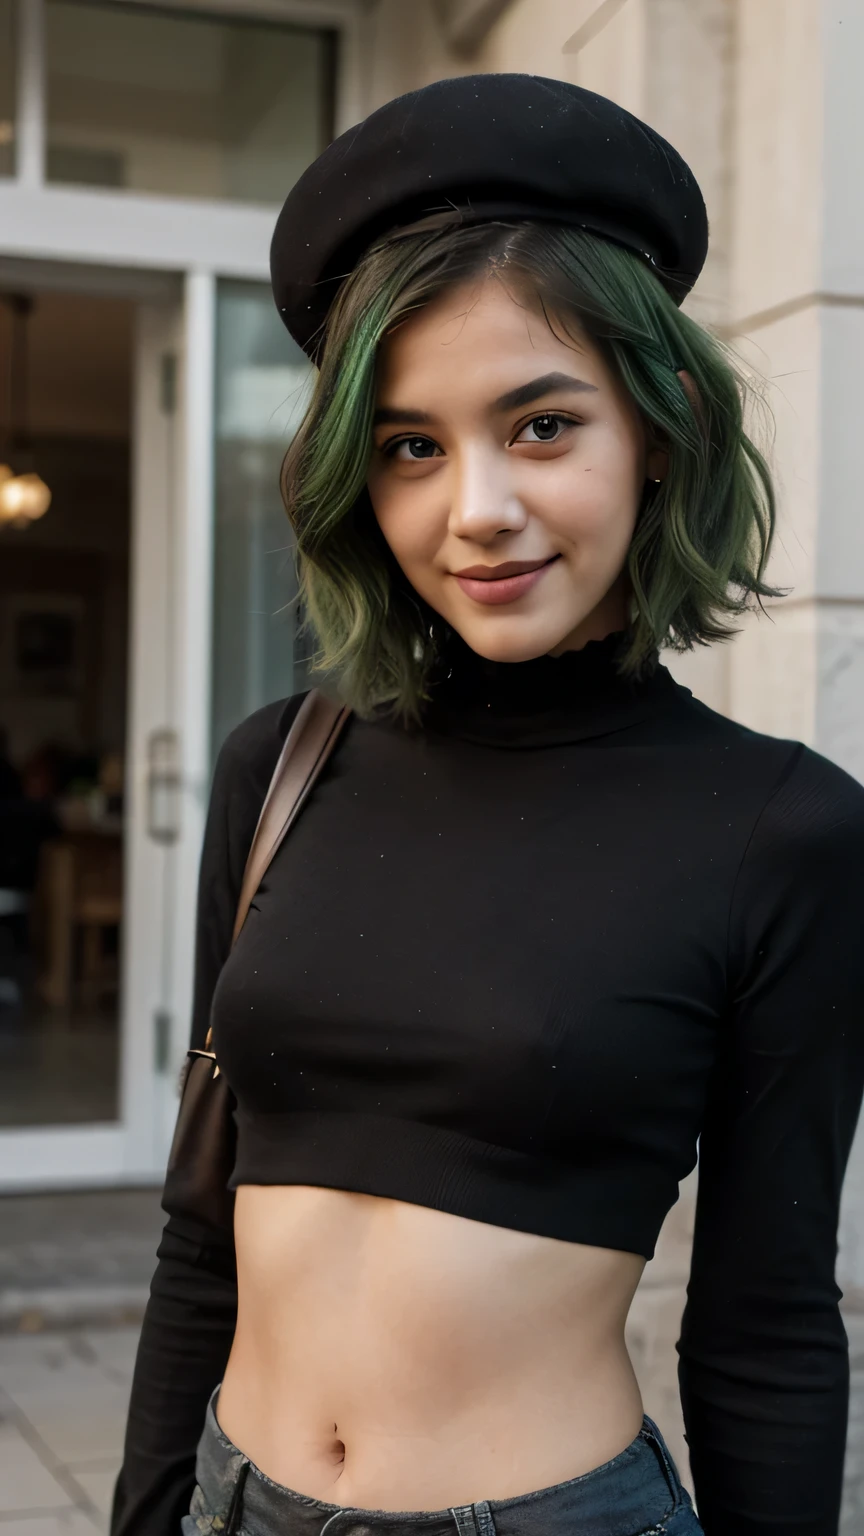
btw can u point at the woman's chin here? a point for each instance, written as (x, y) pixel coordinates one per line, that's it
(509, 641)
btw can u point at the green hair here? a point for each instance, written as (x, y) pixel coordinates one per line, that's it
(702, 537)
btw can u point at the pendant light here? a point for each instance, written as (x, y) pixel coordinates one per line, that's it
(24, 496)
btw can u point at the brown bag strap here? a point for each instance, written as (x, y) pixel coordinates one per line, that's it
(311, 739)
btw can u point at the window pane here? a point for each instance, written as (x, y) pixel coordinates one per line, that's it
(262, 381)
(197, 106)
(7, 88)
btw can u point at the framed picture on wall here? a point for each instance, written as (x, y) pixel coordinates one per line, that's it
(41, 645)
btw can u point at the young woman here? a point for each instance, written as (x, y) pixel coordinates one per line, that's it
(545, 919)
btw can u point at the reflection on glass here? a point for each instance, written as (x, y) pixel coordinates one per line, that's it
(196, 106)
(7, 88)
(64, 617)
(262, 383)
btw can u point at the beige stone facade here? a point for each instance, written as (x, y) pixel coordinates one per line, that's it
(764, 98)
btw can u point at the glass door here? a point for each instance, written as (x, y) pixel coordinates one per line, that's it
(64, 623)
(92, 638)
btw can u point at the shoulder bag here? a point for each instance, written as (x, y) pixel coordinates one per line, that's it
(202, 1152)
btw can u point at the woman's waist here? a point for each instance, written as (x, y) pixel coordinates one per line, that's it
(384, 1453)
(310, 1254)
(381, 1345)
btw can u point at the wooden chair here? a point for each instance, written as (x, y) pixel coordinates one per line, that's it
(80, 888)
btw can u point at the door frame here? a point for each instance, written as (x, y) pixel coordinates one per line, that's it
(172, 543)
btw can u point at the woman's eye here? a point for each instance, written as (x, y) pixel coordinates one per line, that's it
(411, 449)
(544, 429)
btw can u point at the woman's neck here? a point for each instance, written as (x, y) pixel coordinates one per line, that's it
(570, 696)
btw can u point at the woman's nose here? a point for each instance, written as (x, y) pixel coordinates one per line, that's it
(483, 501)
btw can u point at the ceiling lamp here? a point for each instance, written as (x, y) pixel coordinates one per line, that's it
(24, 496)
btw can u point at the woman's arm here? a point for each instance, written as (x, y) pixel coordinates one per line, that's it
(763, 1367)
(189, 1322)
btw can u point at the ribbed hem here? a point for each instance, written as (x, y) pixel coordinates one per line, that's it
(437, 1167)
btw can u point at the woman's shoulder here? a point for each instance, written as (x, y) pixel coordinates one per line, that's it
(816, 808)
(248, 755)
(783, 760)
(800, 807)
(263, 731)
(806, 840)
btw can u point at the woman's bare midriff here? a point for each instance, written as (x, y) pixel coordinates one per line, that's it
(390, 1356)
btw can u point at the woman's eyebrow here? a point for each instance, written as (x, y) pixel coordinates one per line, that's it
(394, 416)
(525, 394)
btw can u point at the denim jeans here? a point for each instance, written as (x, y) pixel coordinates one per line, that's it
(637, 1493)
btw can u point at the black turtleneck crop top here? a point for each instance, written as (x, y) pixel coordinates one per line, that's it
(513, 965)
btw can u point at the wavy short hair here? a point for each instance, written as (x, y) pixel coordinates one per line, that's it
(702, 537)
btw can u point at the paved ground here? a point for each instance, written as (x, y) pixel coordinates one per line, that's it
(74, 1274)
(74, 1271)
(63, 1397)
(77, 1258)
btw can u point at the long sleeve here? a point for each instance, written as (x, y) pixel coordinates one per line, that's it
(763, 1356)
(190, 1317)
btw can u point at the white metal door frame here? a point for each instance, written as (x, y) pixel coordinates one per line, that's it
(170, 697)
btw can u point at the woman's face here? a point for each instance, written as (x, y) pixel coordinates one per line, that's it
(507, 473)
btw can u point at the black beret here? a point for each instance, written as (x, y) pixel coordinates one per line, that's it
(495, 146)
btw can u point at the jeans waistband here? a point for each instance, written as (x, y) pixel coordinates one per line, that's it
(638, 1490)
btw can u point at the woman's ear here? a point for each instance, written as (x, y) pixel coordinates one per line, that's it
(657, 456)
(656, 462)
(691, 390)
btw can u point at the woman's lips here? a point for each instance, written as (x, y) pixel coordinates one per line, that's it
(517, 578)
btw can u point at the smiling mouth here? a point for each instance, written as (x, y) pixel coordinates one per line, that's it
(492, 584)
(505, 569)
